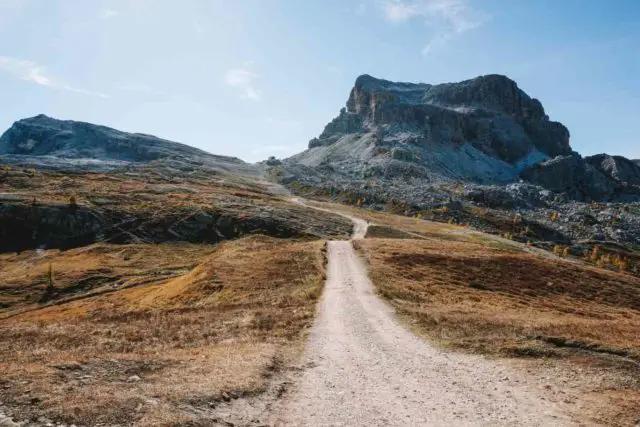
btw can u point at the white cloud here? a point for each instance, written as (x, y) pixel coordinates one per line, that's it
(244, 80)
(399, 11)
(108, 14)
(33, 72)
(447, 18)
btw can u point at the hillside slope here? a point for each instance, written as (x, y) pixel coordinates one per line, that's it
(47, 142)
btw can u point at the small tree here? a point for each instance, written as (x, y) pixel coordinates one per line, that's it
(50, 282)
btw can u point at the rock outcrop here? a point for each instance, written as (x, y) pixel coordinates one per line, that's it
(619, 168)
(601, 177)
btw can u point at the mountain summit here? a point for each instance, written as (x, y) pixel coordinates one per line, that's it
(485, 130)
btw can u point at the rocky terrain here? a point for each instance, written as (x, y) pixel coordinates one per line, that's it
(45, 142)
(481, 145)
(485, 130)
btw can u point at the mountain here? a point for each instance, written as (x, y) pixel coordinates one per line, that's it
(48, 142)
(484, 130)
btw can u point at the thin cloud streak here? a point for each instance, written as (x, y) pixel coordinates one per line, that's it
(108, 14)
(244, 80)
(447, 18)
(32, 72)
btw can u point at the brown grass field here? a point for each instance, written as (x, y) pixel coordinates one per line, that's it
(473, 297)
(189, 326)
(162, 334)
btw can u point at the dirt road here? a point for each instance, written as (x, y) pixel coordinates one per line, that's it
(365, 369)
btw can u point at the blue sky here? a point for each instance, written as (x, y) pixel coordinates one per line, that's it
(253, 78)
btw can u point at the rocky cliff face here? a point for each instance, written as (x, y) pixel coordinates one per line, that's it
(484, 130)
(490, 113)
(600, 177)
(618, 168)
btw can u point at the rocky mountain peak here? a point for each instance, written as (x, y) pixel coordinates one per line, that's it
(488, 118)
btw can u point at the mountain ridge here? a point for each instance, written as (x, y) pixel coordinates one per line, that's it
(46, 142)
(484, 130)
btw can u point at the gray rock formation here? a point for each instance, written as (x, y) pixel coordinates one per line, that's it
(573, 176)
(600, 177)
(485, 129)
(47, 142)
(619, 168)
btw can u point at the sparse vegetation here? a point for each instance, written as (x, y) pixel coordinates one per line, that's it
(216, 325)
(522, 297)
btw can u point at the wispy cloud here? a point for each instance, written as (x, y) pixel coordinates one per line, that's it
(198, 28)
(31, 71)
(447, 18)
(244, 80)
(108, 14)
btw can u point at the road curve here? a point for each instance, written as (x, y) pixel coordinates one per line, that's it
(362, 368)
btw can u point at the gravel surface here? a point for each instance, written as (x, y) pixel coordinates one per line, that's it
(365, 369)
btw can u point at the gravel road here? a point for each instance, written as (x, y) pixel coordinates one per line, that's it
(363, 368)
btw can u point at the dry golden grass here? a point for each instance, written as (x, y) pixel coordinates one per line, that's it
(494, 301)
(89, 270)
(216, 330)
(479, 298)
(399, 226)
